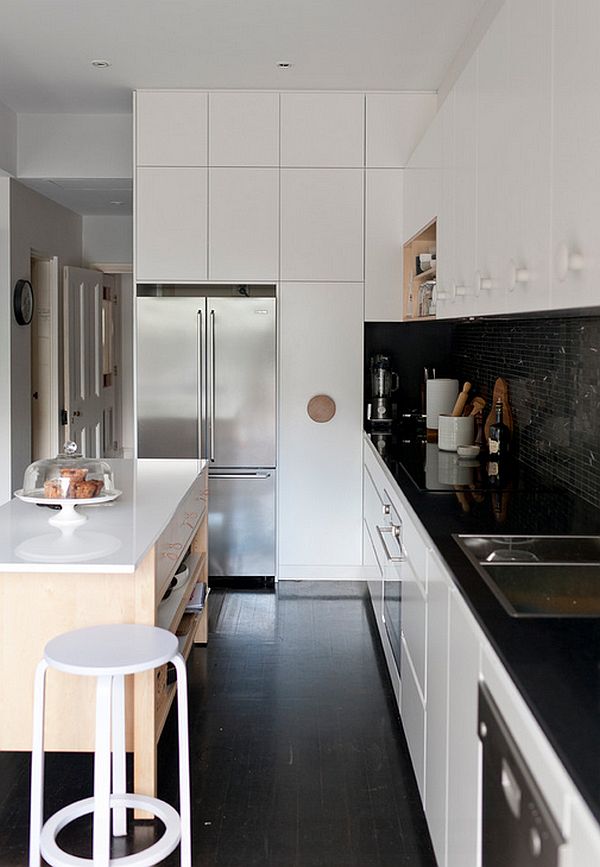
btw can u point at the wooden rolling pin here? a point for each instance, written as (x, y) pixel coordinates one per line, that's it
(461, 400)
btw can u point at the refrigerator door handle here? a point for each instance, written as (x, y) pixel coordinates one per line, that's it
(239, 476)
(200, 389)
(212, 385)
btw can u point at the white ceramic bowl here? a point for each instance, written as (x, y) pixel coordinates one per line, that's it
(468, 451)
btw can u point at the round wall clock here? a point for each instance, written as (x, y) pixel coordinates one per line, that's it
(23, 302)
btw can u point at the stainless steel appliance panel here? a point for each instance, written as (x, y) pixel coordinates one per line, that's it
(169, 371)
(241, 391)
(518, 828)
(241, 523)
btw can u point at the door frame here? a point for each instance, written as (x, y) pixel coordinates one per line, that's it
(50, 273)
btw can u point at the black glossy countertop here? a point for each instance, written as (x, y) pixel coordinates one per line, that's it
(554, 662)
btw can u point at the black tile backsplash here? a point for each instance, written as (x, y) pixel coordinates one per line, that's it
(552, 367)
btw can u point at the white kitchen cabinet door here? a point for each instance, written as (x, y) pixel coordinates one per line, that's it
(412, 712)
(528, 148)
(584, 843)
(493, 204)
(171, 128)
(243, 224)
(462, 286)
(463, 743)
(395, 123)
(322, 224)
(423, 181)
(436, 741)
(243, 129)
(446, 224)
(320, 464)
(576, 144)
(322, 130)
(383, 245)
(171, 219)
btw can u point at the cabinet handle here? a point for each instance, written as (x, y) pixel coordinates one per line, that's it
(519, 276)
(395, 532)
(482, 284)
(567, 260)
(460, 290)
(443, 295)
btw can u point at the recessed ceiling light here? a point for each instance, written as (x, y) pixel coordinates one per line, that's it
(283, 64)
(101, 64)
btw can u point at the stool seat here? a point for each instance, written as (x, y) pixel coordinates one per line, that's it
(124, 648)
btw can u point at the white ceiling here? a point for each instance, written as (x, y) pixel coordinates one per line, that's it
(46, 47)
(93, 196)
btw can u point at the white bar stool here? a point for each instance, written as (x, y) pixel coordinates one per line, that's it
(109, 653)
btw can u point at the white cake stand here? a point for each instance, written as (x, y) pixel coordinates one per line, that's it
(67, 517)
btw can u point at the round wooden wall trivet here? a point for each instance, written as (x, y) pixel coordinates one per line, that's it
(321, 408)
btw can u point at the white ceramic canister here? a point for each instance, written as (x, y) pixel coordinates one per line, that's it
(440, 398)
(455, 431)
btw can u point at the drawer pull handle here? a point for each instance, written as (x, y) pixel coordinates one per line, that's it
(395, 532)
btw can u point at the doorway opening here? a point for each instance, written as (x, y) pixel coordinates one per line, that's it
(45, 421)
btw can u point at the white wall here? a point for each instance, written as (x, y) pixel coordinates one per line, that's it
(37, 224)
(8, 140)
(5, 320)
(75, 145)
(108, 239)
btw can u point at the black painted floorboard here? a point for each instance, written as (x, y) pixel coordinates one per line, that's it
(297, 755)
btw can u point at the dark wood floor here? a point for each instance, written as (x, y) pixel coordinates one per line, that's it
(297, 756)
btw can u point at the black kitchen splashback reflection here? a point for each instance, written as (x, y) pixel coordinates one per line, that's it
(552, 367)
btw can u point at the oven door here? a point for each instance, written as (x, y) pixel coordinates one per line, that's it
(394, 564)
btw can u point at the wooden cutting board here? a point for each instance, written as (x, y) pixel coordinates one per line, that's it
(500, 393)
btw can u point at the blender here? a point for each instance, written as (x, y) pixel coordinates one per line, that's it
(384, 382)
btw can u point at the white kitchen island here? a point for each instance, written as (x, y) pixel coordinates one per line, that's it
(115, 568)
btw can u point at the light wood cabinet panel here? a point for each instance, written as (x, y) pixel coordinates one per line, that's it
(171, 128)
(322, 129)
(322, 224)
(243, 224)
(395, 122)
(171, 224)
(576, 145)
(320, 475)
(383, 245)
(243, 129)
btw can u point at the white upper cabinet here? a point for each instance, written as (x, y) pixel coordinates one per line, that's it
(322, 224)
(243, 129)
(322, 130)
(170, 236)
(383, 245)
(243, 224)
(493, 204)
(422, 181)
(395, 122)
(446, 224)
(528, 148)
(171, 128)
(575, 254)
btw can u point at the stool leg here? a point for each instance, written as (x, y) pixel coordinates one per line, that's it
(101, 837)
(119, 782)
(184, 762)
(37, 765)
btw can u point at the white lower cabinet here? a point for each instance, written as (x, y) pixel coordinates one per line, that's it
(320, 477)
(412, 711)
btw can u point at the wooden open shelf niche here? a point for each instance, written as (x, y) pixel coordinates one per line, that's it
(423, 242)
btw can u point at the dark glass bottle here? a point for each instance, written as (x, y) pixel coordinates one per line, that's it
(499, 437)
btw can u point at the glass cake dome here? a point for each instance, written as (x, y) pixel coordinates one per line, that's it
(68, 476)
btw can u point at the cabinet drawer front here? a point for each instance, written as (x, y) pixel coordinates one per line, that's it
(373, 504)
(414, 626)
(412, 712)
(173, 542)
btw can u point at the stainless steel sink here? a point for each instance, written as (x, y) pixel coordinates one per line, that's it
(539, 576)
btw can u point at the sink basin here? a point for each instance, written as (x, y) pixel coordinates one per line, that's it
(539, 576)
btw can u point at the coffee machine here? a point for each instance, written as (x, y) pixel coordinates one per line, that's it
(381, 411)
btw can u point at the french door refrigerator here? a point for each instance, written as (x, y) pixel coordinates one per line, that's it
(206, 388)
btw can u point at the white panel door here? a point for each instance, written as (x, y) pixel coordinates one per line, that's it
(576, 146)
(89, 385)
(463, 744)
(243, 129)
(395, 122)
(171, 128)
(322, 224)
(528, 147)
(493, 206)
(243, 227)
(322, 129)
(464, 173)
(383, 245)
(320, 464)
(171, 220)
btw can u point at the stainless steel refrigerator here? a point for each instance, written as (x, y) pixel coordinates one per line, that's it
(206, 387)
